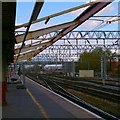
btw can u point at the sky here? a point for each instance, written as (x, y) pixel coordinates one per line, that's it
(24, 11)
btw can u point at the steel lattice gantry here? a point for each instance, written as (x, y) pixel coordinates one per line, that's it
(77, 41)
(74, 43)
(64, 29)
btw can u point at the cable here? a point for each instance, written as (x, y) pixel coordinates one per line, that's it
(47, 18)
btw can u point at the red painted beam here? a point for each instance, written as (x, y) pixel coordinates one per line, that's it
(89, 12)
(82, 18)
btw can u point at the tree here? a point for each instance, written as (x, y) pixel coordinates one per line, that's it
(99, 50)
(92, 60)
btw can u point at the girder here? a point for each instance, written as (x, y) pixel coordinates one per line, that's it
(81, 47)
(34, 47)
(78, 21)
(74, 43)
(35, 13)
(27, 55)
(40, 32)
(30, 53)
(31, 47)
(97, 36)
(58, 14)
(84, 35)
(68, 52)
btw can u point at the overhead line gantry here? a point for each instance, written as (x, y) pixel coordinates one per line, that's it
(66, 28)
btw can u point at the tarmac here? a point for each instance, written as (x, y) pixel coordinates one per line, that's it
(19, 104)
(37, 101)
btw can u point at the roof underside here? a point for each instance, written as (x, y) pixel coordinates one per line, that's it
(8, 27)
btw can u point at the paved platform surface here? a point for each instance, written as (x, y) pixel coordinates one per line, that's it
(19, 104)
(39, 102)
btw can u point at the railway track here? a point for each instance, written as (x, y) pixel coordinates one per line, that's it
(108, 93)
(58, 89)
(102, 92)
(90, 83)
(108, 82)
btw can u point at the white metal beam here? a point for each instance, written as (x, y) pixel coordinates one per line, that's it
(31, 53)
(58, 14)
(27, 55)
(40, 32)
(79, 20)
(30, 47)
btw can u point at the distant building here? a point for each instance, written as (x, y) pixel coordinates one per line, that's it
(115, 64)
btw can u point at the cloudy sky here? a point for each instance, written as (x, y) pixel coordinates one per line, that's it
(24, 11)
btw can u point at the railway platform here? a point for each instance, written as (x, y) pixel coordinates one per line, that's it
(37, 101)
(19, 104)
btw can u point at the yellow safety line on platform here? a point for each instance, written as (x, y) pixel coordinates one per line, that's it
(45, 114)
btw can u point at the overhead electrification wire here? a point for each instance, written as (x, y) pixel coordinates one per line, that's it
(107, 22)
(47, 18)
(103, 23)
(65, 31)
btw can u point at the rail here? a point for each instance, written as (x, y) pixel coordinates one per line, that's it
(58, 89)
